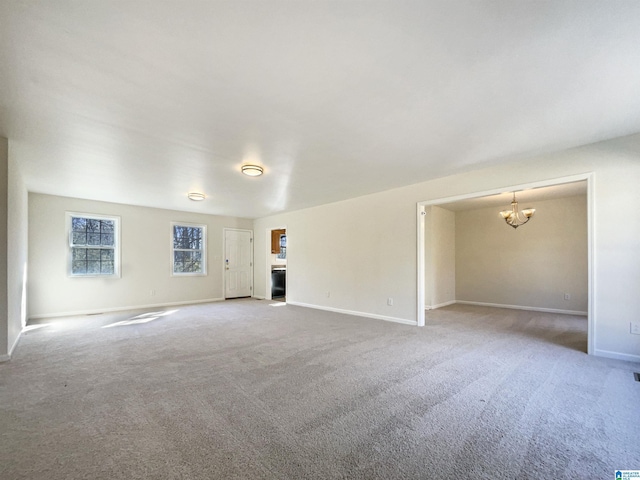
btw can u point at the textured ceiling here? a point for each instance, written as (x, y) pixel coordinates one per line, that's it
(140, 102)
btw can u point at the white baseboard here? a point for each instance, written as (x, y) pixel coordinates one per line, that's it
(617, 356)
(6, 358)
(259, 297)
(15, 344)
(520, 307)
(357, 314)
(439, 305)
(121, 309)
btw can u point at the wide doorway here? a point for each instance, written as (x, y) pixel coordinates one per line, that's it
(442, 282)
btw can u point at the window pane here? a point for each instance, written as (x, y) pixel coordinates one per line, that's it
(93, 254)
(177, 236)
(78, 224)
(93, 239)
(195, 238)
(106, 268)
(78, 267)
(106, 255)
(93, 225)
(106, 226)
(78, 238)
(106, 239)
(93, 267)
(79, 254)
(177, 262)
(192, 262)
(189, 238)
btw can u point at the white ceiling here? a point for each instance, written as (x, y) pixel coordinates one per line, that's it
(140, 102)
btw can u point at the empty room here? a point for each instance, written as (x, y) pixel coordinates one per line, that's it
(280, 240)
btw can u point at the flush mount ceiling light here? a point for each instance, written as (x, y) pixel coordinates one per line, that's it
(195, 196)
(252, 170)
(515, 218)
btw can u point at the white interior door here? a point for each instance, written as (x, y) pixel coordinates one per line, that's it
(238, 264)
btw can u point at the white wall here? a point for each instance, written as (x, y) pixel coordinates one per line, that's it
(531, 266)
(443, 240)
(440, 257)
(13, 251)
(17, 252)
(343, 249)
(363, 250)
(145, 255)
(4, 194)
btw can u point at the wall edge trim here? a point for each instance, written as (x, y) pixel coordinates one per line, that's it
(522, 307)
(121, 309)
(616, 355)
(15, 343)
(439, 305)
(355, 313)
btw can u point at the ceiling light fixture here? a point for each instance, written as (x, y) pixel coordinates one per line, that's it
(195, 196)
(514, 217)
(252, 170)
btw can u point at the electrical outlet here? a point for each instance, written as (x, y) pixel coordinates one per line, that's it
(567, 296)
(635, 328)
(328, 294)
(152, 293)
(390, 301)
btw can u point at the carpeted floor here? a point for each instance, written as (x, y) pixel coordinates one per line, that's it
(242, 389)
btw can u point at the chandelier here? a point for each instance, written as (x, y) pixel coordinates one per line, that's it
(514, 217)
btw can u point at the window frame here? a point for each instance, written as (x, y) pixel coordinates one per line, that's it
(116, 247)
(203, 250)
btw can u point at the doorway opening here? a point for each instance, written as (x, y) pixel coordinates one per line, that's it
(277, 264)
(423, 211)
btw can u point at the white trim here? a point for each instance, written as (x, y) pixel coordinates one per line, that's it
(617, 356)
(591, 265)
(420, 214)
(439, 305)
(352, 312)
(121, 309)
(522, 307)
(591, 262)
(6, 358)
(15, 344)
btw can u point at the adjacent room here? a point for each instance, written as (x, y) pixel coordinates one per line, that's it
(472, 256)
(275, 240)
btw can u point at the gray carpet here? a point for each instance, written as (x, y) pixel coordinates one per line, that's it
(241, 389)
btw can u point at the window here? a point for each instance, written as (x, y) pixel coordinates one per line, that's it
(188, 249)
(93, 245)
(283, 247)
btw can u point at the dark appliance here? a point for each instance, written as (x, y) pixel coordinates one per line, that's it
(278, 283)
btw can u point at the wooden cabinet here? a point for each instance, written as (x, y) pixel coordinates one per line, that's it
(275, 240)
